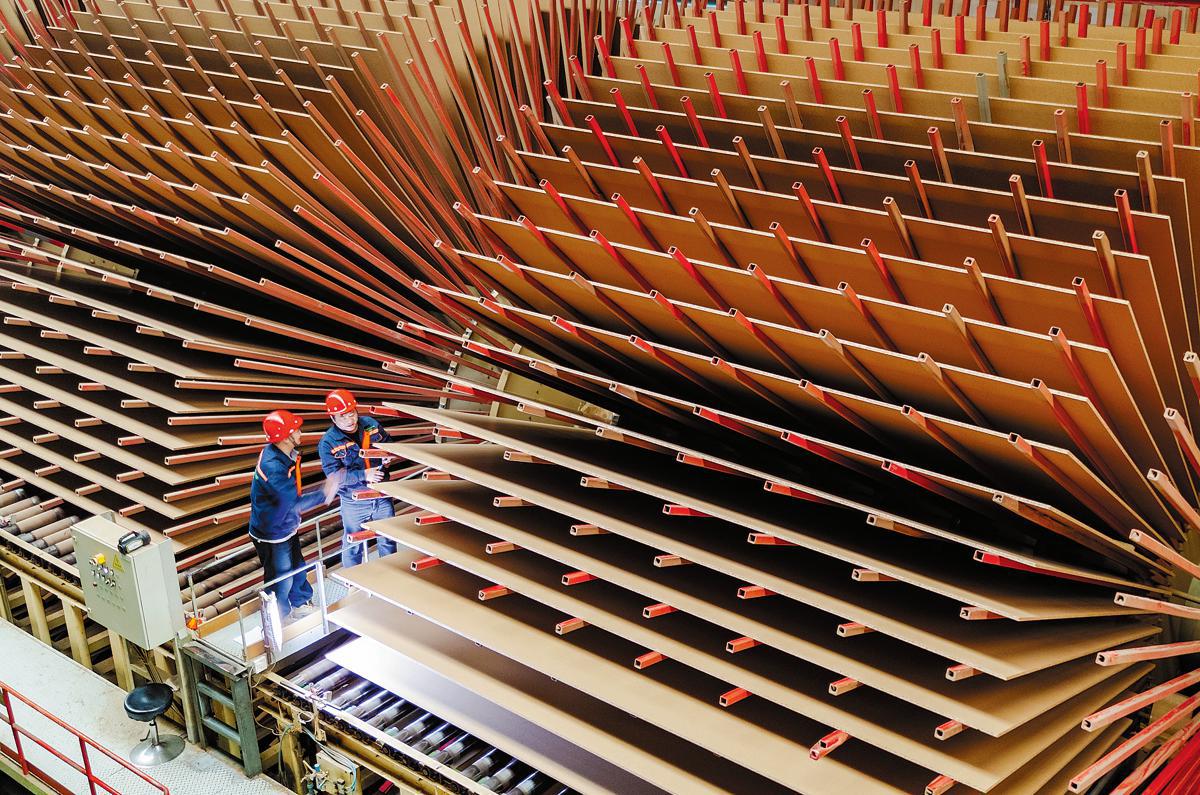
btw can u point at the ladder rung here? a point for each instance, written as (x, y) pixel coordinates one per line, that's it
(222, 728)
(216, 695)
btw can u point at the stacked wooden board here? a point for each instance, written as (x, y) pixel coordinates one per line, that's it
(867, 385)
(827, 370)
(116, 401)
(143, 337)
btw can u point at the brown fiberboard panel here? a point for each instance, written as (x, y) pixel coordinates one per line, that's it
(1004, 660)
(449, 598)
(876, 659)
(407, 655)
(873, 716)
(723, 545)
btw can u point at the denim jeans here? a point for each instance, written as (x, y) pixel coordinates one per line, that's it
(278, 559)
(355, 513)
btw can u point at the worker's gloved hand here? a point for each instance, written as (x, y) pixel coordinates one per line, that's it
(374, 474)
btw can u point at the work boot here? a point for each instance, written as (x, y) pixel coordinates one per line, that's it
(303, 611)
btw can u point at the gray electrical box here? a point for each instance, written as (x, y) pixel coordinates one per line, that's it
(130, 585)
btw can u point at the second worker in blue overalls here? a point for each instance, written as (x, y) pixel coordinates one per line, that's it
(339, 450)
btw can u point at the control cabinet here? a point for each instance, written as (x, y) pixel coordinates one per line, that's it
(130, 585)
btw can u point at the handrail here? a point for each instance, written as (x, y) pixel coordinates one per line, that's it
(195, 570)
(317, 564)
(83, 767)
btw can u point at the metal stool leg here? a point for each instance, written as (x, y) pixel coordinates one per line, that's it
(156, 750)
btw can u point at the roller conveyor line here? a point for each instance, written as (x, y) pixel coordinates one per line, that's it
(457, 753)
(38, 526)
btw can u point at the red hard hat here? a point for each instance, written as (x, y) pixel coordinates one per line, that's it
(278, 425)
(339, 401)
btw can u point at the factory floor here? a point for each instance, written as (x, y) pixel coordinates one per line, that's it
(93, 706)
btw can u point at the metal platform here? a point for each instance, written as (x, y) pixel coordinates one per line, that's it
(242, 640)
(93, 706)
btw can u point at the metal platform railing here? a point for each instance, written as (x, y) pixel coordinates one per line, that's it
(16, 752)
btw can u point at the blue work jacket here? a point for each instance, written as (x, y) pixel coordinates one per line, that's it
(276, 501)
(339, 450)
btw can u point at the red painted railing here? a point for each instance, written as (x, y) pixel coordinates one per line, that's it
(82, 767)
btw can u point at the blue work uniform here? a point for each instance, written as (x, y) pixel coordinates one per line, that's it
(339, 450)
(276, 502)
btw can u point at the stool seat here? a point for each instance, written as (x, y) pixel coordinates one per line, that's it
(147, 702)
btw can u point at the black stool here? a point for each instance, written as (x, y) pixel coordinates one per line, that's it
(146, 704)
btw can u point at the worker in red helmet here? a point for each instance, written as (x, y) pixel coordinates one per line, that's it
(339, 449)
(276, 502)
